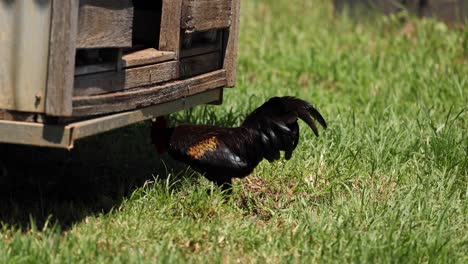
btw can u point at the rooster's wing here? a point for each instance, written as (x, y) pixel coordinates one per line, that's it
(204, 148)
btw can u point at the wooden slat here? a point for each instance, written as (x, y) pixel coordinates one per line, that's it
(231, 42)
(61, 57)
(201, 15)
(101, 124)
(200, 50)
(64, 135)
(147, 56)
(170, 26)
(105, 24)
(190, 40)
(121, 101)
(130, 78)
(200, 64)
(95, 68)
(206, 86)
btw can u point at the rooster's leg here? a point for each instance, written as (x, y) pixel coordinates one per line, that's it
(225, 185)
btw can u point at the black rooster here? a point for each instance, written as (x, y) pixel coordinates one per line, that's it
(222, 153)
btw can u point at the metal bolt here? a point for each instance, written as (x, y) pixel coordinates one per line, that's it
(38, 98)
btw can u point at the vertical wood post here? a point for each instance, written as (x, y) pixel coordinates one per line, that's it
(170, 26)
(64, 27)
(231, 40)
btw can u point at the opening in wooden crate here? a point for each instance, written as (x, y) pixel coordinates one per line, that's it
(110, 65)
(201, 52)
(108, 30)
(147, 23)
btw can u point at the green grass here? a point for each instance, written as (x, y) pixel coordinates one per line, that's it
(386, 182)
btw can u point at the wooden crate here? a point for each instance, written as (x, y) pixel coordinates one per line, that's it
(101, 57)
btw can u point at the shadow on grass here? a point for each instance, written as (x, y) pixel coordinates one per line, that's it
(63, 187)
(38, 183)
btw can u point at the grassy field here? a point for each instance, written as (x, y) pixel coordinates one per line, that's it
(387, 182)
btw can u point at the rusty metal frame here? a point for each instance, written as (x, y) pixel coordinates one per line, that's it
(64, 136)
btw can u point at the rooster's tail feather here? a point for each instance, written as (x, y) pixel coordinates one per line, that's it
(276, 124)
(286, 110)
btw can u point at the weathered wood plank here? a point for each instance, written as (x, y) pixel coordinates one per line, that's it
(95, 68)
(200, 49)
(200, 64)
(106, 123)
(146, 56)
(190, 40)
(61, 57)
(145, 96)
(130, 78)
(169, 39)
(231, 39)
(65, 135)
(201, 15)
(206, 86)
(105, 24)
